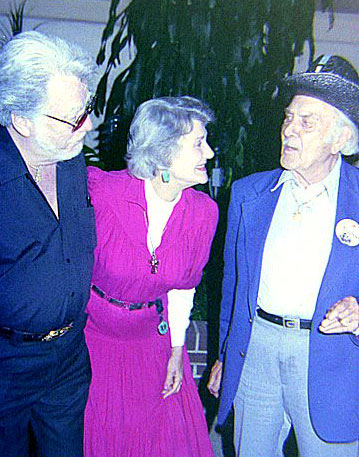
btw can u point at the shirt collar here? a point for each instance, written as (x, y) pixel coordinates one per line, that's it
(330, 182)
(283, 178)
(13, 165)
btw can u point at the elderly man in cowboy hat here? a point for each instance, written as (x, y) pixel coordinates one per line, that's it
(289, 326)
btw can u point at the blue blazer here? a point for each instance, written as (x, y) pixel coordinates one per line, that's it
(333, 386)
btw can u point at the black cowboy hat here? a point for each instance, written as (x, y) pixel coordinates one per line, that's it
(331, 79)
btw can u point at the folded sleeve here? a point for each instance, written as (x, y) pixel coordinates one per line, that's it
(180, 304)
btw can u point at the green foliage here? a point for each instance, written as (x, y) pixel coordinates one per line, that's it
(91, 157)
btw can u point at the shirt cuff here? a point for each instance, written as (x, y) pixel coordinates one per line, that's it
(180, 304)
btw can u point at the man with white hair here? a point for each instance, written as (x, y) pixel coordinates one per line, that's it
(289, 330)
(46, 244)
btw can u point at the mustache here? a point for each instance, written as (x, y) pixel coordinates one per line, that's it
(289, 143)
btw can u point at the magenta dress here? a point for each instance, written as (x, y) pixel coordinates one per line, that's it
(126, 415)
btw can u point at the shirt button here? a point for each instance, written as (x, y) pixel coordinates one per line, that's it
(242, 354)
(250, 320)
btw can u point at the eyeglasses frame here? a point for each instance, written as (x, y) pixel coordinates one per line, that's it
(82, 118)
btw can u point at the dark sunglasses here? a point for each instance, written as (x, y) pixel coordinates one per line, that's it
(81, 120)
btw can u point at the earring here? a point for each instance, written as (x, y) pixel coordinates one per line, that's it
(165, 176)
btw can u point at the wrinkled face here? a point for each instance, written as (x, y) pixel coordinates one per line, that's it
(189, 165)
(307, 146)
(53, 140)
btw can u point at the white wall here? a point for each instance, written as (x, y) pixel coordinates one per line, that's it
(77, 20)
(342, 39)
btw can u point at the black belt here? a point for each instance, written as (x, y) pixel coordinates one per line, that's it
(287, 322)
(122, 303)
(162, 326)
(18, 335)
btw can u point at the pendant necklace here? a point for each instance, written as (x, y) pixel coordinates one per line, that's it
(297, 214)
(154, 262)
(162, 327)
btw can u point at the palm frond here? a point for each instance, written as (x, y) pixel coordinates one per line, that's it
(15, 19)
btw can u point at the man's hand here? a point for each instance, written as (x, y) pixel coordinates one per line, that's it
(342, 317)
(215, 378)
(174, 376)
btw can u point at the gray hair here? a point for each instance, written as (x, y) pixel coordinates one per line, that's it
(27, 63)
(156, 129)
(351, 146)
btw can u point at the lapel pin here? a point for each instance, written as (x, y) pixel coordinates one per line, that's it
(347, 232)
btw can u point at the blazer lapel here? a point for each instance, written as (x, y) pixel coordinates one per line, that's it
(257, 217)
(341, 256)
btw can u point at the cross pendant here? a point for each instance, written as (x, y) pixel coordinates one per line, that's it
(154, 264)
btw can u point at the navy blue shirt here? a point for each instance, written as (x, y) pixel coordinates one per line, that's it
(45, 262)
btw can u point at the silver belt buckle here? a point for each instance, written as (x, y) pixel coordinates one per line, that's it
(291, 322)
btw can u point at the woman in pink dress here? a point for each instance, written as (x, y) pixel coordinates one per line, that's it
(154, 236)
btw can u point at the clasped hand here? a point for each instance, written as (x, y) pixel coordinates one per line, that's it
(342, 317)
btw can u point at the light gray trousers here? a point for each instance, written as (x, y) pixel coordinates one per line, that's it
(272, 396)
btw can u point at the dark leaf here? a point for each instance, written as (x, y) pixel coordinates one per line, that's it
(101, 95)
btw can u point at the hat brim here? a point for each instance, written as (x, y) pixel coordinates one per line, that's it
(328, 87)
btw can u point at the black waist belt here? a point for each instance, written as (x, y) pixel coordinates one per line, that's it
(287, 322)
(35, 337)
(122, 303)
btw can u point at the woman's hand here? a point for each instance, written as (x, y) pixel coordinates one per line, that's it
(174, 372)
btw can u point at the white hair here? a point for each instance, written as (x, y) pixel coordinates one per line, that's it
(351, 146)
(156, 129)
(27, 63)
